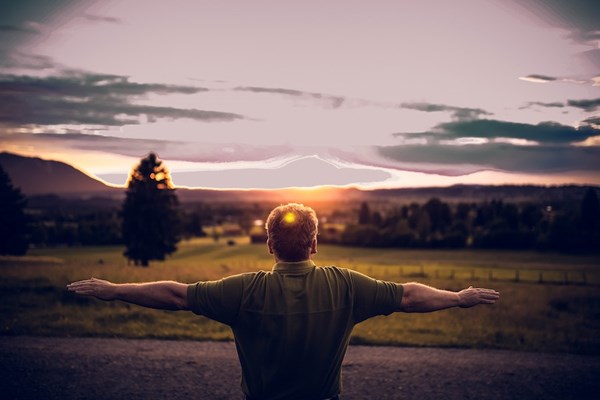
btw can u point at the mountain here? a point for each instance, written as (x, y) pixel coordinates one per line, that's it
(35, 176)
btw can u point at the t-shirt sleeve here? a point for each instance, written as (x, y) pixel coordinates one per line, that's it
(219, 300)
(374, 297)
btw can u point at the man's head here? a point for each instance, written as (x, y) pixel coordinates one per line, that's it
(292, 232)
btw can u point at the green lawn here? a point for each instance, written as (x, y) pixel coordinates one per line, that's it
(551, 304)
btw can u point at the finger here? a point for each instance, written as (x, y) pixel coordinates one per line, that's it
(76, 285)
(490, 294)
(82, 282)
(83, 291)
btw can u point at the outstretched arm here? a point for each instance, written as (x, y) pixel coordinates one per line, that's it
(164, 295)
(422, 298)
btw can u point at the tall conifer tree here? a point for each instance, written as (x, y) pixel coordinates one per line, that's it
(150, 213)
(13, 221)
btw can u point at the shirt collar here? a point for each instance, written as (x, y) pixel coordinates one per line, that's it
(297, 266)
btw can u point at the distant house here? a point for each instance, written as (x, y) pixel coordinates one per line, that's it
(231, 229)
(258, 234)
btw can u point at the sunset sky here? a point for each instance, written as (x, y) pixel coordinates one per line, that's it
(270, 94)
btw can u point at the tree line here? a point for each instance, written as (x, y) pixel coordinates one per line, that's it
(150, 221)
(494, 224)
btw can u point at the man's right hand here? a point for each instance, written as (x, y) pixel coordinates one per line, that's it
(473, 296)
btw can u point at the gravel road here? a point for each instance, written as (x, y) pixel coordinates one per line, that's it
(92, 368)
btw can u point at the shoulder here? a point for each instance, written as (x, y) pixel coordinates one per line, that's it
(338, 273)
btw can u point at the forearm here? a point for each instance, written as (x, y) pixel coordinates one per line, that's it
(422, 298)
(164, 295)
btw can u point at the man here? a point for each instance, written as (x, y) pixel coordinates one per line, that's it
(292, 324)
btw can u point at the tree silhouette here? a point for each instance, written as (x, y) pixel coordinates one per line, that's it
(150, 213)
(364, 214)
(590, 211)
(13, 221)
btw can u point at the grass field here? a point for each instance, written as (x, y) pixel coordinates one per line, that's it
(549, 302)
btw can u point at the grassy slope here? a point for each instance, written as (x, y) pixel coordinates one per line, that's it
(533, 316)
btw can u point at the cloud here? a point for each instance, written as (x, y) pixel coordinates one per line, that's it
(29, 29)
(333, 101)
(330, 100)
(101, 18)
(538, 78)
(168, 149)
(578, 16)
(460, 160)
(545, 132)
(542, 104)
(298, 173)
(95, 99)
(594, 122)
(20, 60)
(589, 105)
(464, 147)
(461, 113)
(545, 79)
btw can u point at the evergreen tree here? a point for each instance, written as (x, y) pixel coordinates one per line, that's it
(590, 211)
(150, 213)
(13, 221)
(364, 214)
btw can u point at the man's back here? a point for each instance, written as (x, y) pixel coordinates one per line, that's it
(292, 325)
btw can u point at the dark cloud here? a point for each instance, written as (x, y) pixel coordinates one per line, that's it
(332, 101)
(101, 18)
(589, 105)
(586, 104)
(581, 18)
(460, 113)
(460, 160)
(545, 132)
(542, 104)
(592, 121)
(22, 18)
(97, 99)
(17, 29)
(578, 16)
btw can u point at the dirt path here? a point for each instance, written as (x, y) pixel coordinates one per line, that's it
(89, 368)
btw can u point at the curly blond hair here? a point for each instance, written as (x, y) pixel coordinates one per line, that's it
(291, 228)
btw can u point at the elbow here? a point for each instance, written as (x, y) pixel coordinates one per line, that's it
(181, 303)
(408, 303)
(179, 299)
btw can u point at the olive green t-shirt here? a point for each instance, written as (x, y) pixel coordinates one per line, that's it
(292, 325)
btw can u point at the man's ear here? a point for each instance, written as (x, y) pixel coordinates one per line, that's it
(269, 246)
(313, 246)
